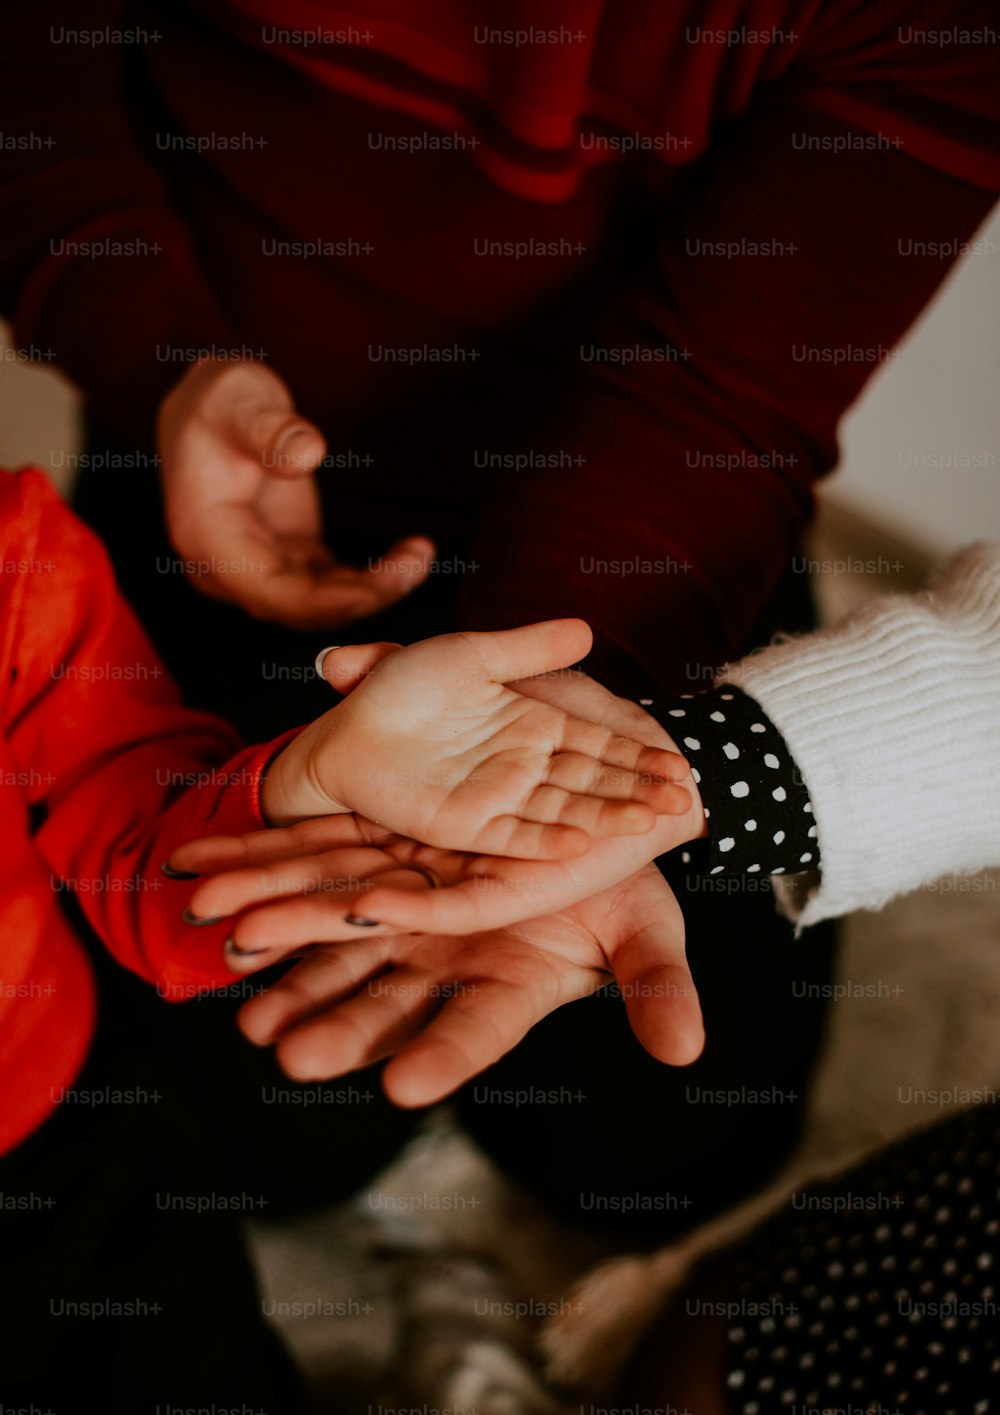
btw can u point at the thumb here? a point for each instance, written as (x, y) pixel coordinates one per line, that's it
(509, 654)
(651, 969)
(348, 667)
(284, 443)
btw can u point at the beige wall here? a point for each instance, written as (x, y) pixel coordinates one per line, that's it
(39, 415)
(937, 402)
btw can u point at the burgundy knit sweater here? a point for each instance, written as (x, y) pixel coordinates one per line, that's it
(584, 286)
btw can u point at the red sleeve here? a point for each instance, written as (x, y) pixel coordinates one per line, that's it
(119, 770)
(786, 267)
(96, 271)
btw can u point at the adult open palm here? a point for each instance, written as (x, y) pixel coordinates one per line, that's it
(444, 1008)
(242, 505)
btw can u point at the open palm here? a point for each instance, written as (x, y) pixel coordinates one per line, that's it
(302, 883)
(431, 743)
(445, 1008)
(243, 506)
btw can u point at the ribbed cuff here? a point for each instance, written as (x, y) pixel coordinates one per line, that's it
(893, 718)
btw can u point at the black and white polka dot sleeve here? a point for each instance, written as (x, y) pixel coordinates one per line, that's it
(757, 805)
(877, 1291)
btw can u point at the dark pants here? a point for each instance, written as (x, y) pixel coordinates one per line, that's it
(125, 1286)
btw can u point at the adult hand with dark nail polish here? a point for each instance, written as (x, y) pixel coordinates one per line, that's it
(445, 1008)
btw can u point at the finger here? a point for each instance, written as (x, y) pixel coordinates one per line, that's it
(306, 600)
(332, 874)
(586, 776)
(509, 654)
(265, 847)
(592, 814)
(615, 750)
(311, 600)
(512, 837)
(472, 1031)
(344, 667)
(305, 591)
(326, 977)
(589, 701)
(650, 967)
(267, 933)
(663, 1008)
(380, 1017)
(398, 570)
(472, 906)
(295, 580)
(286, 444)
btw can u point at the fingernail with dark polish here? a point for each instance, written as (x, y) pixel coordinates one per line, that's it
(360, 923)
(235, 951)
(197, 923)
(167, 869)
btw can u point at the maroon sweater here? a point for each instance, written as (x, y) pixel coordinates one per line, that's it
(589, 285)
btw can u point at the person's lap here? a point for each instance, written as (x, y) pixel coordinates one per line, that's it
(875, 1288)
(125, 1287)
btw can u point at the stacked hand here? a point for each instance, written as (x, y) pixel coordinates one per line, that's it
(444, 1006)
(430, 742)
(505, 940)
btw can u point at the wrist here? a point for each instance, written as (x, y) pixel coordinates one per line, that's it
(761, 816)
(292, 790)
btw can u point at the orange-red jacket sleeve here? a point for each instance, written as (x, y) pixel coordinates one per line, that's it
(119, 772)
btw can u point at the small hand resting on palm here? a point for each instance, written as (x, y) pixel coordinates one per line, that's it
(505, 940)
(431, 743)
(308, 882)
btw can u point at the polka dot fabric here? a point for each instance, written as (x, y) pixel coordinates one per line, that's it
(759, 814)
(880, 1293)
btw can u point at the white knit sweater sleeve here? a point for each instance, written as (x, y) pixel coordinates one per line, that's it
(893, 717)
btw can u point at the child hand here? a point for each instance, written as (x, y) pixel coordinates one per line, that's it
(306, 883)
(431, 743)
